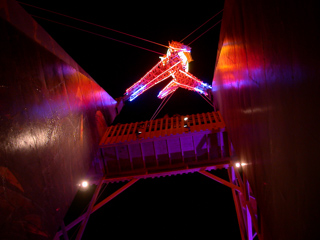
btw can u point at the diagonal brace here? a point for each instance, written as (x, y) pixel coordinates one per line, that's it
(89, 211)
(99, 205)
(220, 180)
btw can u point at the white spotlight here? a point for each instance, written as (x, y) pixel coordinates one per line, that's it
(237, 164)
(84, 184)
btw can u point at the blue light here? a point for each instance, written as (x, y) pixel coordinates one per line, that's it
(132, 98)
(137, 93)
(162, 94)
(199, 90)
(206, 85)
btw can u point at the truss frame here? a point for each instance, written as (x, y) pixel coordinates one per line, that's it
(246, 214)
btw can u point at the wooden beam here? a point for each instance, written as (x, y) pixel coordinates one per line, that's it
(178, 169)
(117, 157)
(182, 155)
(195, 149)
(220, 180)
(236, 172)
(244, 184)
(130, 157)
(142, 155)
(155, 153)
(221, 143)
(169, 156)
(99, 205)
(237, 206)
(89, 211)
(254, 219)
(113, 195)
(63, 229)
(208, 146)
(249, 225)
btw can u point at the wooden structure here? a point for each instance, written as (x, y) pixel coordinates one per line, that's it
(171, 146)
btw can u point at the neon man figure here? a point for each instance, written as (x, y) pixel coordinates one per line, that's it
(175, 64)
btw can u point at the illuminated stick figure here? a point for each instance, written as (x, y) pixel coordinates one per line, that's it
(175, 64)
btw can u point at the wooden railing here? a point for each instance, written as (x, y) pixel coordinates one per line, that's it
(166, 126)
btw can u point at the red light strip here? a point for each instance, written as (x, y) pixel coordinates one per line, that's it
(153, 77)
(151, 83)
(191, 76)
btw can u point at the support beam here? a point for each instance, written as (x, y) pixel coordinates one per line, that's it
(155, 153)
(182, 154)
(208, 145)
(117, 157)
(254, 235)
(195, 149)
(63, 229)
(249, 224)
(244, 184)
(221, 143)
(89, 211)
(113, 195)
(180, 169)
(254, 219)
(237, 205)
(169, 156)
(99, 205)
(130, 156)
(237, 174)
(220, 180)
(142, 155)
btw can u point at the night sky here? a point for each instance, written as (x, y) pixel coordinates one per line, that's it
(172, 207)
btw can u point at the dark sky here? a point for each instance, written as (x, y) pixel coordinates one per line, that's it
(116, 66)
(189, 204)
